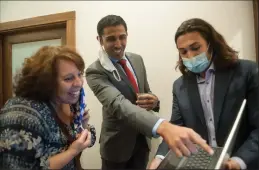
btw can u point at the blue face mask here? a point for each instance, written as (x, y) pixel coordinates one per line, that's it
(197, 64)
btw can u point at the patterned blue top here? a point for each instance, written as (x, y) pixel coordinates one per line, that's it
(29, 135)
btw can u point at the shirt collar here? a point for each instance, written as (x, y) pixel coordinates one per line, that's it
(208, 73)
(211, 68)
(114, 60)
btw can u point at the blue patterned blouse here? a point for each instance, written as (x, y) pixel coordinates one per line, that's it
(29, 135)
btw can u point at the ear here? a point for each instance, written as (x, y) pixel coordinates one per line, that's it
(99, 39)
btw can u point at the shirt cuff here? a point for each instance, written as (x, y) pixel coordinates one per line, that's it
(155, 135)
(240, 162)
(160, 157)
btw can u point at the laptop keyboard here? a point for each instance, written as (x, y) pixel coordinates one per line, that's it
(201, 160)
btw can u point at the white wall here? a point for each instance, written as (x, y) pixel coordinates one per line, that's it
(151, 28)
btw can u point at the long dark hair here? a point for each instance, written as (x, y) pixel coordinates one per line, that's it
(224, 55)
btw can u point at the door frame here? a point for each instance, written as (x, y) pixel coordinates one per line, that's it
(60, 20)
(67, 19)
(256, 18)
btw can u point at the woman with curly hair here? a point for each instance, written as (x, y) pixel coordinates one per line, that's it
(39, 127)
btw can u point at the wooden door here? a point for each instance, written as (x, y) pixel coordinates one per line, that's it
(21, 39)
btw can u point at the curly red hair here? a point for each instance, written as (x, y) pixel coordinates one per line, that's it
(38, 77)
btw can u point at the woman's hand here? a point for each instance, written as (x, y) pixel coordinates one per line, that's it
(82, 142)
(59, 160)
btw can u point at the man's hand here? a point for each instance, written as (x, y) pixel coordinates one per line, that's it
(155, 163)
(182, 140)
(231, 165)
(146, 101)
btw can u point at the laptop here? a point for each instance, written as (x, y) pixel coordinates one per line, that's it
(202, 160)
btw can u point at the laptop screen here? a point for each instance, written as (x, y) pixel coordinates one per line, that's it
(228, 147)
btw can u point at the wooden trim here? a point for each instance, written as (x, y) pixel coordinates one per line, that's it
(71, 33)
(36, 21)
(1, 74)
(37, 36)
(7, 69)
(256, 18)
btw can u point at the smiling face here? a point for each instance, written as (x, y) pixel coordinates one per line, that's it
(192, 44)
(69, 82)
(114, 40)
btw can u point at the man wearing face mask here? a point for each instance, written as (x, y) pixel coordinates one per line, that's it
(119, 81)
(208, 95)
